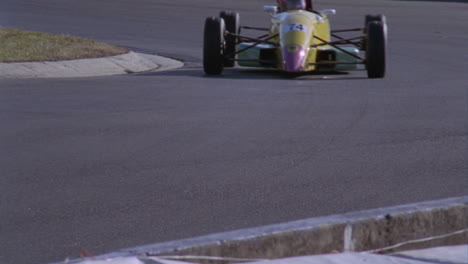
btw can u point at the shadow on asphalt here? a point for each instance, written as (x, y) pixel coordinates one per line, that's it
(253, 74)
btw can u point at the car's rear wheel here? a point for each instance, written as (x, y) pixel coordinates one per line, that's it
(213, 46)
(376, 49)
(368, 19)
(232, 21)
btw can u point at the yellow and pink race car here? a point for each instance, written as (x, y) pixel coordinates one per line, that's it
(299, 40)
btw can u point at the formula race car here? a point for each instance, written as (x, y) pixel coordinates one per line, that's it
(299, 40)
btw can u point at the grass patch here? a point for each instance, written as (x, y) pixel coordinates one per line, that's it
(26, 46)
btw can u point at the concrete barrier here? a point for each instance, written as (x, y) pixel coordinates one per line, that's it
(357, 231)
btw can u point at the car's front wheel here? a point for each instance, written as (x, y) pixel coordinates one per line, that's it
(213, 46)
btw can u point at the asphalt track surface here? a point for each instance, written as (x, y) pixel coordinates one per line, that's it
(115, 162)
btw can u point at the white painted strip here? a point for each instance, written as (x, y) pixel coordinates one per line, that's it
(348, 238)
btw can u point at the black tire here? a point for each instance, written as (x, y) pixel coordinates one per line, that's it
(232, 21)
(368, 19)
(371, 18)
(376, 49)
(213, 46)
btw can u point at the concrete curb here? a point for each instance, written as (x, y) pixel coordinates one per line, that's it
(438, 255)
(356, 231)
(122, 64)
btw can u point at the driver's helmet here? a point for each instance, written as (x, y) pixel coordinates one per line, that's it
(285, 5)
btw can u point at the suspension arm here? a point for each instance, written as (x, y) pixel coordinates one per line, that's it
(346, 30)
(257, 43)
(338, 48)
(256, 28)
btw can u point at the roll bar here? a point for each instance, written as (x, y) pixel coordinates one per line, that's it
(309, 6)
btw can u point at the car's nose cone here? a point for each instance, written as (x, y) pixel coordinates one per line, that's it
(293, 58)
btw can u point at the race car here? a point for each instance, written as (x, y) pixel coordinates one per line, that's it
(299, 40)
